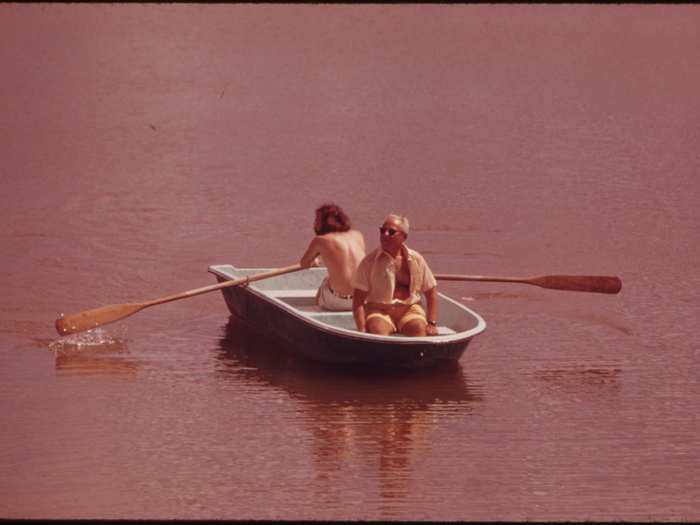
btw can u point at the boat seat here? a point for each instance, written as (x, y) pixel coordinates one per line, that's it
(442, 330)
(316, 309)
(305, 292)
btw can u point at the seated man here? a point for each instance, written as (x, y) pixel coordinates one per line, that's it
(342, 249)
(390, 280)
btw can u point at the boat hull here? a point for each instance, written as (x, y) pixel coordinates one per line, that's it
(330, 337)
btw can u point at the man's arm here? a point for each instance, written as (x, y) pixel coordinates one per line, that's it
(432, 304)
(358, 308)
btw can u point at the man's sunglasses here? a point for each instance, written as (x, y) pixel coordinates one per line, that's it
(391, 231)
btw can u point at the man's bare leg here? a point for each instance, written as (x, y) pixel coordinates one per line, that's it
(414, 328)
(378, 326)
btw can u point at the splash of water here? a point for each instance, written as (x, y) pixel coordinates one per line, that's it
(85, 340)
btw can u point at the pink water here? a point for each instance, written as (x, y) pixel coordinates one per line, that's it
(140, 144)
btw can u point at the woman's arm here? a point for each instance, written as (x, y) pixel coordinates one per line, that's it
(309, 258)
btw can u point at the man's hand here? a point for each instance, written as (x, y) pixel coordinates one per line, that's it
(431, 330)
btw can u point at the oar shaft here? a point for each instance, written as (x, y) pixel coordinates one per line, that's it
(225, 284)
(88, 319)
(455, 277)
(573, 283)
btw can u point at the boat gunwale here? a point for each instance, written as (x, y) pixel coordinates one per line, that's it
(311, 320)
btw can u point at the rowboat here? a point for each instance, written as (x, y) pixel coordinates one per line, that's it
(283, 306)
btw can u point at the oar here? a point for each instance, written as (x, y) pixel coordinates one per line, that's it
(578, 283)
(81, 321)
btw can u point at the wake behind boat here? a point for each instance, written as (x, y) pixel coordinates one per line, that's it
(284, 306)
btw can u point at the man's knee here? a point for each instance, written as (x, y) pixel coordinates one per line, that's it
(414, 328)
(379, 326)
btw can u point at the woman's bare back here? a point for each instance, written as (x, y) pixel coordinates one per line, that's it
(341, 253)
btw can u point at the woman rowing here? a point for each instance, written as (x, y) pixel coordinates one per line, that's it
(341, 249)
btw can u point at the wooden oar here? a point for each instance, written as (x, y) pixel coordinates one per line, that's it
(578, 283)
(81, 321)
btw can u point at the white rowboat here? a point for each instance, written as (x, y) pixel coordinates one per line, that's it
(284, 306)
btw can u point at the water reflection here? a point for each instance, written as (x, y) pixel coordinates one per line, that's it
(260, 358)
(597, 381)
(359, 418)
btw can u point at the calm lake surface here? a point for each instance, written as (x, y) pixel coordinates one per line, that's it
(140, 144)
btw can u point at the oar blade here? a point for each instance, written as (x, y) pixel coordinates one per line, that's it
(81, 321)
(580, 283)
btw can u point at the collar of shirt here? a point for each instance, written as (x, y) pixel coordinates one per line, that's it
(404, 251)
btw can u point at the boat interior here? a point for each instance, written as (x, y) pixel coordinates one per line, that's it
(298, 290)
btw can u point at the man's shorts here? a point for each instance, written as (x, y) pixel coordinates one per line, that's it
(397, 314)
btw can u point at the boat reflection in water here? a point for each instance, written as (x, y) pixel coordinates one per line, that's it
(355, 414)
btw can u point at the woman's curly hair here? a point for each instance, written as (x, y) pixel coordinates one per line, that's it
(342, 221)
